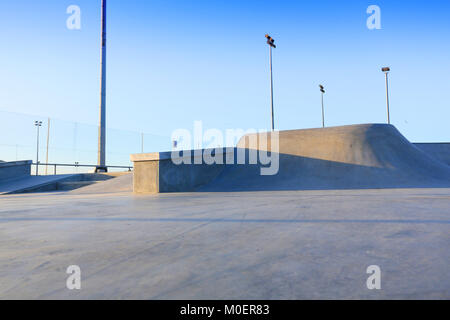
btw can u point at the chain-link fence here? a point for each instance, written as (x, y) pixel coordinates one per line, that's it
(66, 142)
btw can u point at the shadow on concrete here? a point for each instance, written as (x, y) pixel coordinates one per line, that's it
(303, 173)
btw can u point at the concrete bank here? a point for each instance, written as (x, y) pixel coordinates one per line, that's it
(439, 151)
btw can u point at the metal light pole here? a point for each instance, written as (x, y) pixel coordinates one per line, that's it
(48, 141)
(271, 43)
(322, 90)
(38, 124)
(101, 164)
(386, 72)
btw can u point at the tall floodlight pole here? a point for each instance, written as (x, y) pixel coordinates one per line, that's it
(271, 43)
(101, 164)
(38, 124)
(322, 90)
(386, 72)
(48, 141)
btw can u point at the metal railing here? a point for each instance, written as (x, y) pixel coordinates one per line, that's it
(76, 165)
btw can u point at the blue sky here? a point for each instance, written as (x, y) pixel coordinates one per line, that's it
(173, 62)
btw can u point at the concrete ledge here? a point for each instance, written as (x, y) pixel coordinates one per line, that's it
(158, 172)
(154, 156)
(4, 164)
(157, 156)
(15, 169)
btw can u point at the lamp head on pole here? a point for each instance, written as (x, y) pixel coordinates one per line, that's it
(322, 89)
(386, 69)
(270, 41)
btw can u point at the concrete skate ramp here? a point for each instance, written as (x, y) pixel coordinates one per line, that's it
(122, 183)
(439, 151)
(349, 157)
(27, 184)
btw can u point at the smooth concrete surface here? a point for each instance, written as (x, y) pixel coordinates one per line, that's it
(246, 245)
(14, 169)
(439, 151)
(348, 157)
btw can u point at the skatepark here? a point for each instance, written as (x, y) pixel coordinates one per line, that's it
(215, 153)
(348, 157)
(344, 198)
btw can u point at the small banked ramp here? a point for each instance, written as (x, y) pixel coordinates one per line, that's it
(348, 157)
(120, 183)
(65, 182)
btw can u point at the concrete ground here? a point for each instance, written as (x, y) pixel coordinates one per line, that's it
(256, 245)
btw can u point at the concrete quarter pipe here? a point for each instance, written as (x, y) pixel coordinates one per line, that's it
(348, 157)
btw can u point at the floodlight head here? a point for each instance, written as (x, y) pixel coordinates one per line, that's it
(270, 41)
(386, 69)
